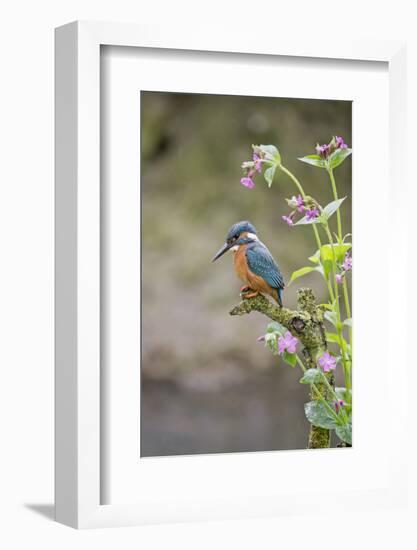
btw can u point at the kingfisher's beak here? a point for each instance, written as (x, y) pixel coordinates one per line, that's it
(223, 249)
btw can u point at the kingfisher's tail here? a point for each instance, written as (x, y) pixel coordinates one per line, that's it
(278, 296)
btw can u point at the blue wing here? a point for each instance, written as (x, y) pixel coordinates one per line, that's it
(262, 263)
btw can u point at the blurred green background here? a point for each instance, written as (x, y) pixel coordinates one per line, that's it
(207, 385)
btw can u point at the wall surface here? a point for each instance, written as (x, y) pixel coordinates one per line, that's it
(26, 277)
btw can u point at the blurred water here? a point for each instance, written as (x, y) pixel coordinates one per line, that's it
(245, 416)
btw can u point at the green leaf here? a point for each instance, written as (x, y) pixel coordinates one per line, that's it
(314, 160)
(344, 432)
(269, 174)
(332, 337)
(318, 415)
(311, 376)
(315, 258)
(338, 157)
(276, 327)
(300, 273)
(271, 342)
(331, 316)
(348, 322)
(340, 250)
(327, 267)
(289, 358)
(331, 208)
(271, 153)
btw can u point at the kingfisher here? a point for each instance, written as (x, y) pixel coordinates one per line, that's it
(254, 264)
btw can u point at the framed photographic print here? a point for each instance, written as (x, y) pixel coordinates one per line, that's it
(210, 196)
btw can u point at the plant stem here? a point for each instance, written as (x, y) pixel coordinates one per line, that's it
(294, 179)
(340, 237)
(334, 268)
(336, 197)
(334, 295)
(347, 306)
(315, 230)
(302, 193)
(330, 288)
(345, 292)
(346, 369)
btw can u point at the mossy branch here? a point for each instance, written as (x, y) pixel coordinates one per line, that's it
(306, 324)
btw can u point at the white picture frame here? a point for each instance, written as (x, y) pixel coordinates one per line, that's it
(78, 404)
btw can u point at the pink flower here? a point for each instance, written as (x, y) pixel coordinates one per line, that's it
(247, 182)
(257, 162)
(340, 143)
(347, 262)
(312, 214)
(338, 404)
(339, 278)
(299, 201)
(288, 220)
(323, 150)
(288, 342)
(327, 362)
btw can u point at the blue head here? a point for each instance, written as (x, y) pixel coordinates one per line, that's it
(240, 233)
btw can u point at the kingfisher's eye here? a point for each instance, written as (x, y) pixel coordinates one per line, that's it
(236, 237)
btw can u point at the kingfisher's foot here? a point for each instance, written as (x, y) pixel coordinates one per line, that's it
(252, 294)
(245, 288)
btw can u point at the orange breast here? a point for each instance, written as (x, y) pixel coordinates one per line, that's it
(248, 277)
(241, 265)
